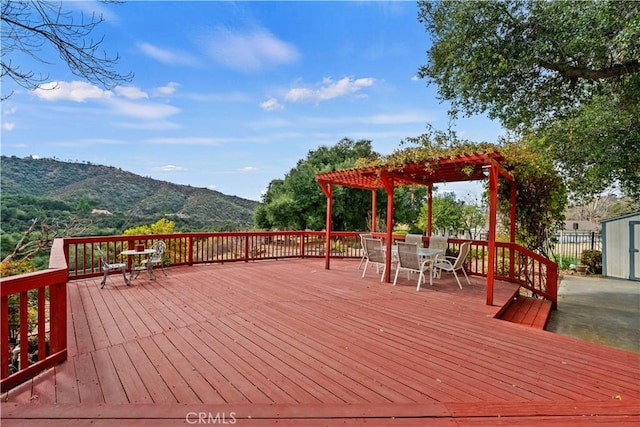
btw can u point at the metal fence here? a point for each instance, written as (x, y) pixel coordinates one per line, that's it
(569, 245)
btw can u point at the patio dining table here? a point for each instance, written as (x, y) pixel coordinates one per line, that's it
(135, 271)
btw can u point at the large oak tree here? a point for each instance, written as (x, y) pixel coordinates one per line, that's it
(566, 72)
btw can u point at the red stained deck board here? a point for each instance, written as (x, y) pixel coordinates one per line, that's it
(132, 384)
(227, 372)
(107, 373)
(528, 311)
(254, 370)
(180, 389)
(88, 383)
(289, 334)
(196, 352)
(520, 413)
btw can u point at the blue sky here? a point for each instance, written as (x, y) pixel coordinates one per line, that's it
(231, 95)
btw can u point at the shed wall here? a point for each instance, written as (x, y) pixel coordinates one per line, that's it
(616, 256)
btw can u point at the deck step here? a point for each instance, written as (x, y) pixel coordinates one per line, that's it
(528, 311)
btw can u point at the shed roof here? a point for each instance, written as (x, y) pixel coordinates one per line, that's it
(468, 167)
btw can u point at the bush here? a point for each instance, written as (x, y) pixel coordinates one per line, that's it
(592, 260)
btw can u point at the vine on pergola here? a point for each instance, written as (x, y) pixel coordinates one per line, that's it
(540, 192)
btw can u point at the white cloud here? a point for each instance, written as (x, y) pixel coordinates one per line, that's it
(71, 91)
(169, 168)
(231, 97)
(212, 187)
(166, 56)
(143, 110)
(271, 105)
(248, 169)
(328, 89)
(8, 126)
(166, 90)
(130, 92)
(250, 51)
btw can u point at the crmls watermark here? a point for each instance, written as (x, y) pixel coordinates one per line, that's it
(210, 418)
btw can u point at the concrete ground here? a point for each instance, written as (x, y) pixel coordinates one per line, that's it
(601, 310)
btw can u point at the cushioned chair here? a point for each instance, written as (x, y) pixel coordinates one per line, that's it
(157, 257)
(453, 264)
(107, 267)
(409, 260)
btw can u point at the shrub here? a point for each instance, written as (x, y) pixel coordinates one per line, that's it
(592, 260)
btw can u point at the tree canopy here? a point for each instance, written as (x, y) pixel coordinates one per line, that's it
(567, 71)
(297, 202)
(34, 28)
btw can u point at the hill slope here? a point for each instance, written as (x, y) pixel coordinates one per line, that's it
(30, 187)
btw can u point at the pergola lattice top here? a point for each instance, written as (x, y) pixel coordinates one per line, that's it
(468, 167)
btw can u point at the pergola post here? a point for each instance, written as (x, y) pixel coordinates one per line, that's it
(327, 189)
(429, 210)
(512, 230)
(374, 202)
(493, 207)
(388, 186)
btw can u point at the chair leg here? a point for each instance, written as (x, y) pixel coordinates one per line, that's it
(420, 280)
(396, 277)
(361, 260)
(457, 280)
(124, 274)
(383, 270)
(366, 264)
(465, 275)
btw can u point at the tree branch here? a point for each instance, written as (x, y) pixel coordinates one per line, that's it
(571, 72)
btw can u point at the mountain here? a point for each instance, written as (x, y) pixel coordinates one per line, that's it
(53, 189)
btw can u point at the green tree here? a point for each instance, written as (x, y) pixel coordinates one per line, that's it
(446, 216)
(474, 219)
(297, 202)
(568, 71)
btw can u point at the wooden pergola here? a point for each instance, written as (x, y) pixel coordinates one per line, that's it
(468, 167)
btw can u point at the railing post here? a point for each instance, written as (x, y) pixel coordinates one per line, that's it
(246, 247)
(4, 336)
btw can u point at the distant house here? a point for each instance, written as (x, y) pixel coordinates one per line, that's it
(581, 225)
(101, 212)
(621, 247)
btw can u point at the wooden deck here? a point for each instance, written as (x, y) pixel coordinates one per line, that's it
(288, 342)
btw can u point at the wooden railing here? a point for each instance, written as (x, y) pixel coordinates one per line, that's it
(39, 301)
(77, 258)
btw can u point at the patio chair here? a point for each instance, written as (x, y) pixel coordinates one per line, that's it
(375, 255)
(107, 267)
(453, 264)
(414, 238)
(409, 260)
(439, 242)
(364, 249)
(157, 258)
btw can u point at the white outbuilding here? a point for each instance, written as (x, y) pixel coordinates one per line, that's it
(621, 247)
